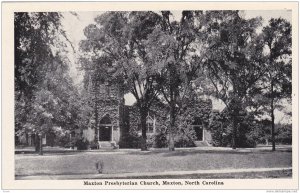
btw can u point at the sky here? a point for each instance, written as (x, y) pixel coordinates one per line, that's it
(74, 26)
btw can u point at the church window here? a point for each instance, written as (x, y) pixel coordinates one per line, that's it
(150, 124)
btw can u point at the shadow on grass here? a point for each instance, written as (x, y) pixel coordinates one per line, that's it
(241, 175)
(182, 152)
(164, 152)
(58, 174)
(49, 153)
(60, 152)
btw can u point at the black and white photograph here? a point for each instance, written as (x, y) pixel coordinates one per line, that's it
(110, 97)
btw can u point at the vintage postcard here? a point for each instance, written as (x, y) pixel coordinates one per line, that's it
(150, 95)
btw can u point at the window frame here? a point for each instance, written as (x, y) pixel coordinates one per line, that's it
(150, 124)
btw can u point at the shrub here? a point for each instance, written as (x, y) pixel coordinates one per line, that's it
(159, 140)
(184, 142)
(81, 143)
(69, 143)
(130, 140)
(185, 138)
(247, 135)
(220, 138)
(284, 134)
(220, 129)
(248, 132)
(93, 145)
(62, 141)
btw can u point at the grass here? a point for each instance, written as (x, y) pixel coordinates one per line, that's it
(241, 175)
(152, 161)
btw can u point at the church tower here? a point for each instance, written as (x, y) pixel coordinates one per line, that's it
(109, 105)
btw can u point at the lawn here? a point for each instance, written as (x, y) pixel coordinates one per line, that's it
(241, 175)
(151, 161)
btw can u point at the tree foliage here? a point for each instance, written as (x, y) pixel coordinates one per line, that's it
(235, 61)
(278, 78)
(118, 43)
(172, 49)
(44, 92)
(155, 57)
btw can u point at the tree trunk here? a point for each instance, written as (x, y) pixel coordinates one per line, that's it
(26, 135)
(172, 109)
(172, 129)
(41, 146)
(236, 106)
(222, 137)
(143, 122)
(37, 142)
(272, 118)
(234, 131)
(96, 139)
(124, 128)
(273, 130)
(171, 139)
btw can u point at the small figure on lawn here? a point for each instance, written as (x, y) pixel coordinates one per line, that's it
(99, 166)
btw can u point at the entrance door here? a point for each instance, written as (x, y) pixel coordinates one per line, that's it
(199, 133)
(105, 129)
(105, 133)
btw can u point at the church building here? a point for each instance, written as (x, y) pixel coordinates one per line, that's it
(112, 119)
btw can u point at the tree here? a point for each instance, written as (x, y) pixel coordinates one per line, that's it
(118, 42)
(172, 49)
(278, 40)
(42, 83)
(234, 61)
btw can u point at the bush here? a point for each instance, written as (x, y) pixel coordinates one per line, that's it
(81, 144)
(184, 142)
(93, 145)
(63, 141)
(249, 132)
(185, 139)
(220, 130)
(245, 141)
(130, 140)
(159, 140)
(69, 143)
(220, 138)
(284, 134)
(247, 135)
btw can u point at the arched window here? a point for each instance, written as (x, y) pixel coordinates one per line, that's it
(105, 120)
(150, 124)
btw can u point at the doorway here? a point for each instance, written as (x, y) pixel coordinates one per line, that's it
(198, 128)
(105, 129)
(199, 132)
(105, 133)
